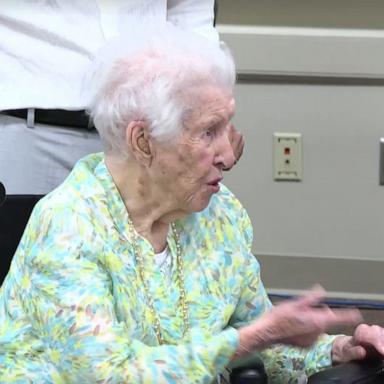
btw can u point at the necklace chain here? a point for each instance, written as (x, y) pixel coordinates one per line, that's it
(179, 277)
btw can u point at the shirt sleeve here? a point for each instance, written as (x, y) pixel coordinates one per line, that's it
(195, 15)
(68, 298)
(283, 364)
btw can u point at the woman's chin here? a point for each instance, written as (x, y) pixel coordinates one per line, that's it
(201, 203)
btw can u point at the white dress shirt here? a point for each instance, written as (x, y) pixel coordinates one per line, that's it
(46, 46)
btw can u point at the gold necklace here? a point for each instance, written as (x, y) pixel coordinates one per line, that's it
(180, 281)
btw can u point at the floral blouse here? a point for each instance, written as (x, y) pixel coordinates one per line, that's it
(73, 308)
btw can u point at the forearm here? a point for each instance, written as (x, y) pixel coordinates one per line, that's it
(284, 363)
(254, 338)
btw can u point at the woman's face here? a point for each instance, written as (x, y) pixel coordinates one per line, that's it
(190, 170)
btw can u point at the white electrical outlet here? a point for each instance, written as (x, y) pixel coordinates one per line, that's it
(287, 149)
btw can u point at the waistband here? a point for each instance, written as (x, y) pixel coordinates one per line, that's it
(55, 117)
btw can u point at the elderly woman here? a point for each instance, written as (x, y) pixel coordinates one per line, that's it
(138, 268)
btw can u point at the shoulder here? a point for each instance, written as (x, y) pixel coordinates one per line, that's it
(65, 215)
(76, 193)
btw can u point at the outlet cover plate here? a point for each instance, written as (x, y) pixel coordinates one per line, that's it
(288, 159)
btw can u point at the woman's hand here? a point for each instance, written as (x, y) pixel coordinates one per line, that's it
(237, 142)
(296, 322)
(367, 342)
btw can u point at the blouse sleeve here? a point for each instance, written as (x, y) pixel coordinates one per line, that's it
(283, 364)
(69, 302)
(195, 15)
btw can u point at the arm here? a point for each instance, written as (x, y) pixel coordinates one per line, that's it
(195, 15)
(283, 363)
(68, 297)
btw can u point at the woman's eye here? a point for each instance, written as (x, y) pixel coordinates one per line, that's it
(209, 132)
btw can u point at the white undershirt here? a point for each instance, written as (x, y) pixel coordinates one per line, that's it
(163, 261)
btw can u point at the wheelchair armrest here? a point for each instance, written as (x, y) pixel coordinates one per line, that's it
(249, 370)
(352, 372)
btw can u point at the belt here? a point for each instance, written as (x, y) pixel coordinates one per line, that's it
(56, 117)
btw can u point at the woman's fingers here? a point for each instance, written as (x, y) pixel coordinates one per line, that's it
(370, 337)
(327, 317)
(356, 353)
(345, 317)
(312, 298)
(301, 321)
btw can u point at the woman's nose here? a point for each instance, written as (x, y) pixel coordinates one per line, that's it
(225, 156)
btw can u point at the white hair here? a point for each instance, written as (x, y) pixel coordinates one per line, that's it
(149, 80)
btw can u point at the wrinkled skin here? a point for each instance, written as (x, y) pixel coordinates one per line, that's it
(301, 321)
(367, 342)
(163, 181)
(184, 174)
(296, 322)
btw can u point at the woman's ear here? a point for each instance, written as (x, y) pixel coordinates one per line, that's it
(138, 142)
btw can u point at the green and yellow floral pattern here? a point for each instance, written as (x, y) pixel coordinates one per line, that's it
(73, 308)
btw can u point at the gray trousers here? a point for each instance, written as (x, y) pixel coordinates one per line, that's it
(36, 160)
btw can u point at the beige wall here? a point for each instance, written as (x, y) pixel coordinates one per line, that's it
(327, 84)
(366, 14)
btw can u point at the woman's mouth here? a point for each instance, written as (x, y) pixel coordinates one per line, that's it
(215, 185)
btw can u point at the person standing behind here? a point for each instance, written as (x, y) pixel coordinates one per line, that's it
(46, 47)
